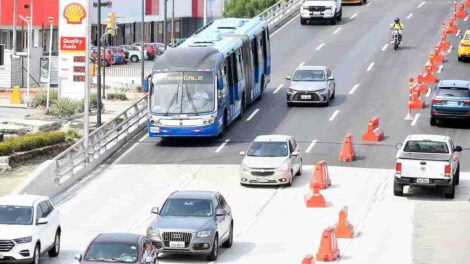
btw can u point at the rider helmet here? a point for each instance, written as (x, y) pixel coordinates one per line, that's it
(397, 20)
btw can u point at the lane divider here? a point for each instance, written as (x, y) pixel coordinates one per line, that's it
(449, 50)
(320, 46)
(310, 147)
(428, 93)
(422, 3)
(252, 115)
(368, 4)
(337, 30)
(370, 67)
(335, 113)
(440, 68)
(302, 64)
(465, 19)
(278, 88)
(354, 16)
(222, 146)
(458, 33)
(415, 119)
(409, 16)
(384, 47)
(354, 89)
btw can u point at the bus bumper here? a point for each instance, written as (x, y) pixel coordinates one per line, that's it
(202, 131)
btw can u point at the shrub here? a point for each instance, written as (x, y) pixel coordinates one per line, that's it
(117, 97)
(40, 100)
(63, 107)
(246, 8)
(31, 141)
(94, 102)
(5, 149)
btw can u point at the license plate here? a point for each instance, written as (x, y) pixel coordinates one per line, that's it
(155, 129)
(305, 97)
(176, 244)
(317, 14)
(262, 179)
(452, 103)
(422, 180)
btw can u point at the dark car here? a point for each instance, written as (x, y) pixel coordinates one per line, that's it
(119, 248)
(192, 222)
(451, 101)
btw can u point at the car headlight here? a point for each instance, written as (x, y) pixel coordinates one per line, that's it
(23, 240)
(202, 234)
(290, 91)
(245, 168)
(153, 233)
(321, 91)
(284, 167)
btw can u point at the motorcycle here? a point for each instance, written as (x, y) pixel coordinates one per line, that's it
(396, 39)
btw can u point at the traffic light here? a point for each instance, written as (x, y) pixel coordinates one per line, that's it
(111, 23)
(93, 70)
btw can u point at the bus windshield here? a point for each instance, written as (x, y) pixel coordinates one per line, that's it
(182, 93)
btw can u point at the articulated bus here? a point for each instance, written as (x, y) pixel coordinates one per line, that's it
(200, 87)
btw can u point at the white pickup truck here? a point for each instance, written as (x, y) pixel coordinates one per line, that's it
(331, 10)
(427, 161)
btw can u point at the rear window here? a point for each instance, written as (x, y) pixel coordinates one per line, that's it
(426, 147)
(453, 92)
(467, 36)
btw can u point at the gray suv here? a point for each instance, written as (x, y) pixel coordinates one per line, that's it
(192, 222)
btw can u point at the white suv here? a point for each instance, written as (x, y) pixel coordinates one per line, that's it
(321, 10)
(135, 52)
(29, 227)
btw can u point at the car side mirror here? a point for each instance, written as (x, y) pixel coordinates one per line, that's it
(78, 257)
(288, 78)
(458, 149)
(295, 154)
(42, 221)
(242, 153)
(332, 78)
(220, 212)
(399, 145)
(155, 210)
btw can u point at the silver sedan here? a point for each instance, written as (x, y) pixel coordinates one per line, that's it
(311, 84)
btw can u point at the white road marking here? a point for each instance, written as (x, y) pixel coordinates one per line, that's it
(278, 88)
(409, 16)
(368, 4)
(334, 115)
(384, 47)
(321, 46)
(422, 3)
(428, 93)
(222, 146)
(302, 64)
(337, 30)
(310, 147)
(370, 67)
(353, 16)
(466, 18)
(450, 49)
(415, 120)
(285, 25)
(252, 115)
(440, 68)
(354, 89)
(458, 33)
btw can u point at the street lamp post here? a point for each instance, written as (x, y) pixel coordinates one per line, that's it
(165, 5)
(98, 74)
(143, 48)
(51, 21)
(86, 117)
(205, 12)
(28, 59)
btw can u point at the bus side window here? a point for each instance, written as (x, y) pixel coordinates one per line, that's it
(240, 65)
(254, 51)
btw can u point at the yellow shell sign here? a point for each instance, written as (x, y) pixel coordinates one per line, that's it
(74, 13)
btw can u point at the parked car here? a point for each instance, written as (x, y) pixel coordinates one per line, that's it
(451, 101)
(464, 46)
(29, 228)
(151, 51)
(192, 222)
(119, 248)
(427, 161)
(271, 160)
(107, 57)
(360, 2)
(135, 52)
(119, 55)
(330, 10)
(311, 84)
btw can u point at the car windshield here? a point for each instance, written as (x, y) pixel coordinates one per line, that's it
(187, 207)
(183, 93)
(309, 76)
(453, 92)
(426, 147)
(112, 252)
(467, 37)
(268, 149)
(16, 215)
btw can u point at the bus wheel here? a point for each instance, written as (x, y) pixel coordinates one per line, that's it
(224, 125)
(261, 89)
(242, 107)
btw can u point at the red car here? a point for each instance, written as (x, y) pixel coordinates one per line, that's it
(151, 52)
(107, 57)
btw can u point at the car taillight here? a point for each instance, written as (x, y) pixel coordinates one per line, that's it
(447, 170)
(466, 102)
(437, 101)
(398, 168)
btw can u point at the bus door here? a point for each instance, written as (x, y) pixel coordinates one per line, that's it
(266, 59)
(254, 53)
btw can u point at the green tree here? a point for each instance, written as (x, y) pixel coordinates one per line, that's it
(246, 8)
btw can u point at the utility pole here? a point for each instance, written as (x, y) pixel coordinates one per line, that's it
(173, 23)
(164, 23)
(98, 75)
(205, 12)
(15, 14)
(143, 48)
(86, 117)
(51, 21)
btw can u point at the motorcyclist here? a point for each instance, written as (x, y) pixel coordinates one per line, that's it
(397, 25)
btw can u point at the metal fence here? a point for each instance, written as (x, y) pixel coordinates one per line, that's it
(279, 12)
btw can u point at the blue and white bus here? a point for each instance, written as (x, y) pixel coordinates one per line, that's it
(203, 85)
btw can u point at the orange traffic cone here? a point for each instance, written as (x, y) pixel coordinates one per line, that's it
(467, 3)
(320, 176)
(343, 229)
(429, 77)
(432, 62)
(437, 55)
(416, 102)
(347, 153)
(420, 85)
(409, 115)
(444, 46)
(315, 199)
(308, 260)
(328, 250)
(373, 134)
(461, 13)
(452, 27)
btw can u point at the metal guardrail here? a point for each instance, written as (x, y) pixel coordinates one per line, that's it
(280, 11)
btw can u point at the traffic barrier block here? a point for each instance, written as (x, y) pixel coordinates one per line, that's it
(429, 77)
(452, 27)
(315, 199)
(347, 153)
(320, 176)
(328, 250)
(308, 260)
(15, 96)
(374, 133)
(343, 229)
(461, 13)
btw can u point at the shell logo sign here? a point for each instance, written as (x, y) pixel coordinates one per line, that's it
(74, 13)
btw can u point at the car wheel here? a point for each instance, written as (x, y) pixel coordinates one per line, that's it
(303, 21)
(433, 121)
(54, 251)
(450, 191)
(457, 175)
(299, 172)
(340, 15)
(215, 250)
(327, 103)
(37, 255)
(333, 94)
(289, 104)
(242, 107)
(229, 242)
(104, 63)
(134, 58)
(459, 58)
(397, 189)
(289, 183)
(334, 20)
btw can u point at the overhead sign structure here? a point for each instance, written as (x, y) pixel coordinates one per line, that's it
(72, 50)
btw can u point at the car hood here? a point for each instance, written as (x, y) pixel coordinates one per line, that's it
(264, 162)
(183, 223)
(308, 86)
(15, 231)
(319, 3)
